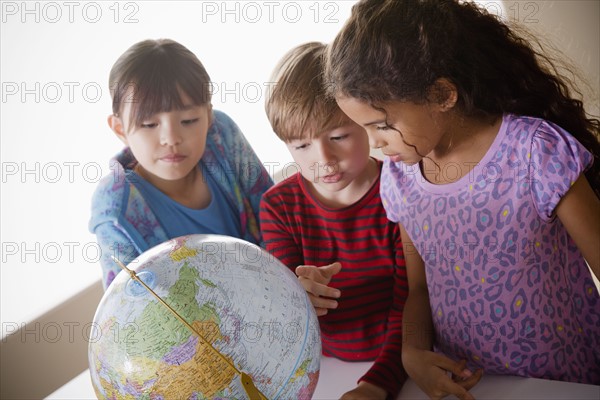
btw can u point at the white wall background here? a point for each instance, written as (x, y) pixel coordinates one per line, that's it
(55, 144)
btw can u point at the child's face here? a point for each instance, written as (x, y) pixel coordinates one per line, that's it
(333, 163)
(421, 125)
(167, 145)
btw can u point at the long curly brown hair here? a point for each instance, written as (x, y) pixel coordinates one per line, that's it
(396, 49)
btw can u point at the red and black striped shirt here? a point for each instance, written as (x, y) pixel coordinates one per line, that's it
(367, 324)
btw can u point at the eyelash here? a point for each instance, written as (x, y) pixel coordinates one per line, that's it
(334, 138)
(337, 138)
(190, 121)
(383, 128)
(184, 122)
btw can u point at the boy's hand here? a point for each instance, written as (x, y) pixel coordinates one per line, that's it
(365, 391)
(315, 281)
(430, 370)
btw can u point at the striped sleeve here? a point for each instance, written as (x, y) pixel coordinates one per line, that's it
(387, 370)
(277, 231)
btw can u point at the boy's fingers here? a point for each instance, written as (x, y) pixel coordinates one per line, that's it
(320, 311)
(318, 289)
(331, 269)
(321, 305)
(321, 302)
(304, 270)
(319, 274)
(310, 272)
(314, 280)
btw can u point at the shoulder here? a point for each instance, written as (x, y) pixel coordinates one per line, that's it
(110, 197)
(526, 129)
(225, 141)
(398, 186)
(546, 141)
(222, 120)
(554, 158)
(522, 123)
(289, 187)
(554, 140)
(222, 127)
(397, 174)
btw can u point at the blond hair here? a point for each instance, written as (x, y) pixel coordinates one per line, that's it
(298, 105)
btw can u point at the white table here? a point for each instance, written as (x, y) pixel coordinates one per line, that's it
(337, 377)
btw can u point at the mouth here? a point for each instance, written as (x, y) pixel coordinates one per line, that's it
(173, 158)
(332, 178)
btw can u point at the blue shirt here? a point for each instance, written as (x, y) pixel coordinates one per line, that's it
(177, 220)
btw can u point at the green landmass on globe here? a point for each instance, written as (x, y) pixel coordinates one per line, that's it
(245, 311)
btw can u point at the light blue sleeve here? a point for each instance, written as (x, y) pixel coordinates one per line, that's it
(252, 177)
(113, 242)
(255, 178)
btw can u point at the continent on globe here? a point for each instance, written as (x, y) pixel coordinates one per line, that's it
(255, 316)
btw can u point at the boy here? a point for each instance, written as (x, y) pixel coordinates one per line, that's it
(328, 225)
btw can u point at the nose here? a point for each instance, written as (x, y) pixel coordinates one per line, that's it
(327, 158)
(375, 142)
(170, 135)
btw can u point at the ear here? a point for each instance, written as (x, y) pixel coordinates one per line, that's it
(116, 124)
(443, 93)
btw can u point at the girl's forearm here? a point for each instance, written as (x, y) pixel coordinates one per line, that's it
(417, 326)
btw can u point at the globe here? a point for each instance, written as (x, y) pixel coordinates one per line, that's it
(231, 310)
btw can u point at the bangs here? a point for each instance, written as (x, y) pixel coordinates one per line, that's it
(319, 121)
(152, 99)
(304, 117)
(157, 82)
(299, 107)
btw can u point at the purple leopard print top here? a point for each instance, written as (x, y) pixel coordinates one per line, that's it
(508, 288)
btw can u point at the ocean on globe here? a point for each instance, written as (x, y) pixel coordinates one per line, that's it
(249, 307)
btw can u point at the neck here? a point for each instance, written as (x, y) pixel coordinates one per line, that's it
(463, 146)
(465, 134)
(190, 191)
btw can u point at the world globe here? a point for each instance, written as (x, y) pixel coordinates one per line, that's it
(205, 317)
